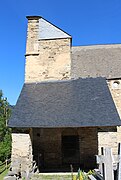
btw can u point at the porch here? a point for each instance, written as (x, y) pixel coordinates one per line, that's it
(55, 149)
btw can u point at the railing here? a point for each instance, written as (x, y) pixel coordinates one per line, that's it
(5, 165)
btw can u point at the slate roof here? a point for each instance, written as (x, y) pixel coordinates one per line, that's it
(96, 61)
(49, 31)
(72, 103)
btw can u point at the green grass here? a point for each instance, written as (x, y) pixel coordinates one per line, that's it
(2, 175)
(51, 177)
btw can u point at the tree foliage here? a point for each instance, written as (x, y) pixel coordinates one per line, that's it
(5, 132)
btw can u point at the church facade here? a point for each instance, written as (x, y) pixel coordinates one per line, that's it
(69, 106)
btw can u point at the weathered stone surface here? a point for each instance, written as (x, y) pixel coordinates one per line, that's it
(108, 139)
(12, 173)
(10, 178)
(51, 63)
(21, 152)
(32, 36)
(111, 139)
(115, 89)
(47, 146)
(47, 59)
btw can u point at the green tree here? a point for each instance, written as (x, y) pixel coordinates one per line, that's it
(5, 132)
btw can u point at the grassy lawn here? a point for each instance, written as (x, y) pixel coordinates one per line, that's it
(4, 174)
(61, 176)
(51, 177)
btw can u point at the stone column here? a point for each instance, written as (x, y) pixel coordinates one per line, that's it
(21, 153)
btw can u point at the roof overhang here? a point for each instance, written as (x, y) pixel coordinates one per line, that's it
(72, 103)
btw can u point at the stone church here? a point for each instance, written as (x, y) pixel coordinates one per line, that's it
(70, 103)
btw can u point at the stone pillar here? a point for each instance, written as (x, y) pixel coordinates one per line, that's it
(21, 153)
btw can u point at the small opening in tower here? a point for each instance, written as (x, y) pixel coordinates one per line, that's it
(116, 84)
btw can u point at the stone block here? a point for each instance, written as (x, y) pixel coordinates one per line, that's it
(10, 178)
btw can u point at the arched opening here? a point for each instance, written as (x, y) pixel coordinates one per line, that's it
(70, 147)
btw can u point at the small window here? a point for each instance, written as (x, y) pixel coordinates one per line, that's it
(116, 84)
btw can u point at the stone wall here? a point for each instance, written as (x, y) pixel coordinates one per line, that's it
(32, 35)
(51, 63)
(88, 146)
(48, 150)
(109, 138)
(115, 89)
(46, 59)
(21, 153)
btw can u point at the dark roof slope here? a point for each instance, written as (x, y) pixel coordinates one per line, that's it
(72, 103)
(96, 61)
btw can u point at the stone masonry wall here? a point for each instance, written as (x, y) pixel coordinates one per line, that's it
(108, 138)
(88, 146)
(32, 35)
(115, 89)
(47, 147)
(21, 153)
(46, 59)
(48, 150)
(51, 63)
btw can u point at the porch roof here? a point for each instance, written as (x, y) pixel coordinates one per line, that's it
(71, 103)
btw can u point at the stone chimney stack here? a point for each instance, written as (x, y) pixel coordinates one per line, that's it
(47, 51)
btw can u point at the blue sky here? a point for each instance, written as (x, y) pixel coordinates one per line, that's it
(88, 21)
